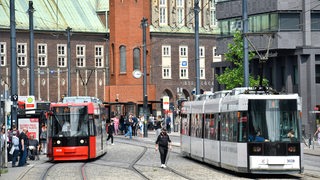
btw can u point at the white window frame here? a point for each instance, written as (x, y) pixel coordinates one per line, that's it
(163, 15)
(213, 19)
(183, 73)
(42, 54)
(166, 50)
(22, 50)
(166, 61)
(180, 12)
(216, 58)
(202, 55)
(81, 55)
(183, 61)
(3, 53)
(98, 56)
(166, 72)
(183, 51)
(62, 55)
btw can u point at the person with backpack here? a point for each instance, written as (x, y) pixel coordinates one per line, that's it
(163, 143)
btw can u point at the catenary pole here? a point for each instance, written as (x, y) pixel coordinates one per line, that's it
(144, 24)
(31, 71)
(196, 32)
(245, 43)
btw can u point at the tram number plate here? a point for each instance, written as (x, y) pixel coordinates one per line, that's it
(275, 161)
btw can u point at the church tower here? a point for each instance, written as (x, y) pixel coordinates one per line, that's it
(126, 52)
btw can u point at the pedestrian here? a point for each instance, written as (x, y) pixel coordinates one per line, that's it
(15, 143)
(163, 143)
(318, 135)
(129, 124)
(116, 125)
(158, 126)
(34, 148)
(140, 126)
(168, 124)
(23, 144)
(43, 139)
(110, 132)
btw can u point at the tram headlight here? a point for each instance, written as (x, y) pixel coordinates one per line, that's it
(256, 149)
(81, 141)
(292, 149)
(58, 142)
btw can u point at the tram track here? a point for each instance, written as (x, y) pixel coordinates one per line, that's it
(146, 147)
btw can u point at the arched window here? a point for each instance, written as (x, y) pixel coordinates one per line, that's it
(136, 58)
(123, 59)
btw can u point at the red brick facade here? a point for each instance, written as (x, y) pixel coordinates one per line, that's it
(125, 30)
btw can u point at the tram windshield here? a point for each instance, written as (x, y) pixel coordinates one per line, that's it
(274, 120)
(69, 121)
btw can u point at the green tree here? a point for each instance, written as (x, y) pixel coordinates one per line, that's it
(234, 76)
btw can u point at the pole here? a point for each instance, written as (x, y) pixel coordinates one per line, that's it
(245, 43)
(196, 31)
(31, 10)
(69, 61)
(13, 51)
(144, 25)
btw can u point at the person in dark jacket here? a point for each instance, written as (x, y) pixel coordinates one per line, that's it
(163, 143)
(110, 132)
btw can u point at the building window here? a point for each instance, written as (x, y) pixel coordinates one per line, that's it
(123, 59)
(202, 62)
(216, 57)
(98, 56)
(22, 54)
(62, 55)
(183, 51)
(183, 60)
(200, 13)
(163, 12)
(166, 72)
(183, 73)
(315, 19)
(166, 62)
(81, 55)
(289, 21)
(180, 12)
(136, 58)
(3, 53)
(166, 50)
(318, 73)
(42, 55)
(213, 20)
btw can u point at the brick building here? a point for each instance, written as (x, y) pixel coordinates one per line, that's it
(106, 46)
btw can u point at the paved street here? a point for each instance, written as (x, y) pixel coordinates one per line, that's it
(123, 161)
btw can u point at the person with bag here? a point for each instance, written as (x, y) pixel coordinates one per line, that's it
(163, 143)
(15, 147)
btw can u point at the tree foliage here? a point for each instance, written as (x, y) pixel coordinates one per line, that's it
(234, 76)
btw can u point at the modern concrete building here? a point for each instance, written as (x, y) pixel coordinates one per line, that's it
(293, 65)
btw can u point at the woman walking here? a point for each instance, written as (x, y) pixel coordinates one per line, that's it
(163, 143)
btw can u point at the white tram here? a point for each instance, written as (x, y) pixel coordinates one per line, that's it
(246, 131)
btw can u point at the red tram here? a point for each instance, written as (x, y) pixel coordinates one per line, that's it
(76, 129)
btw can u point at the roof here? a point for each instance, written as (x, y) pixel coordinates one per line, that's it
(56, 15)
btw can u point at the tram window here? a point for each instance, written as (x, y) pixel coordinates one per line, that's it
(91, 127)
(196, 125)
(242, 125)
(210, 127)
(185, 124)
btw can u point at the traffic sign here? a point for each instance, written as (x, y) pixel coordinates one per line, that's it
(14, 97)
